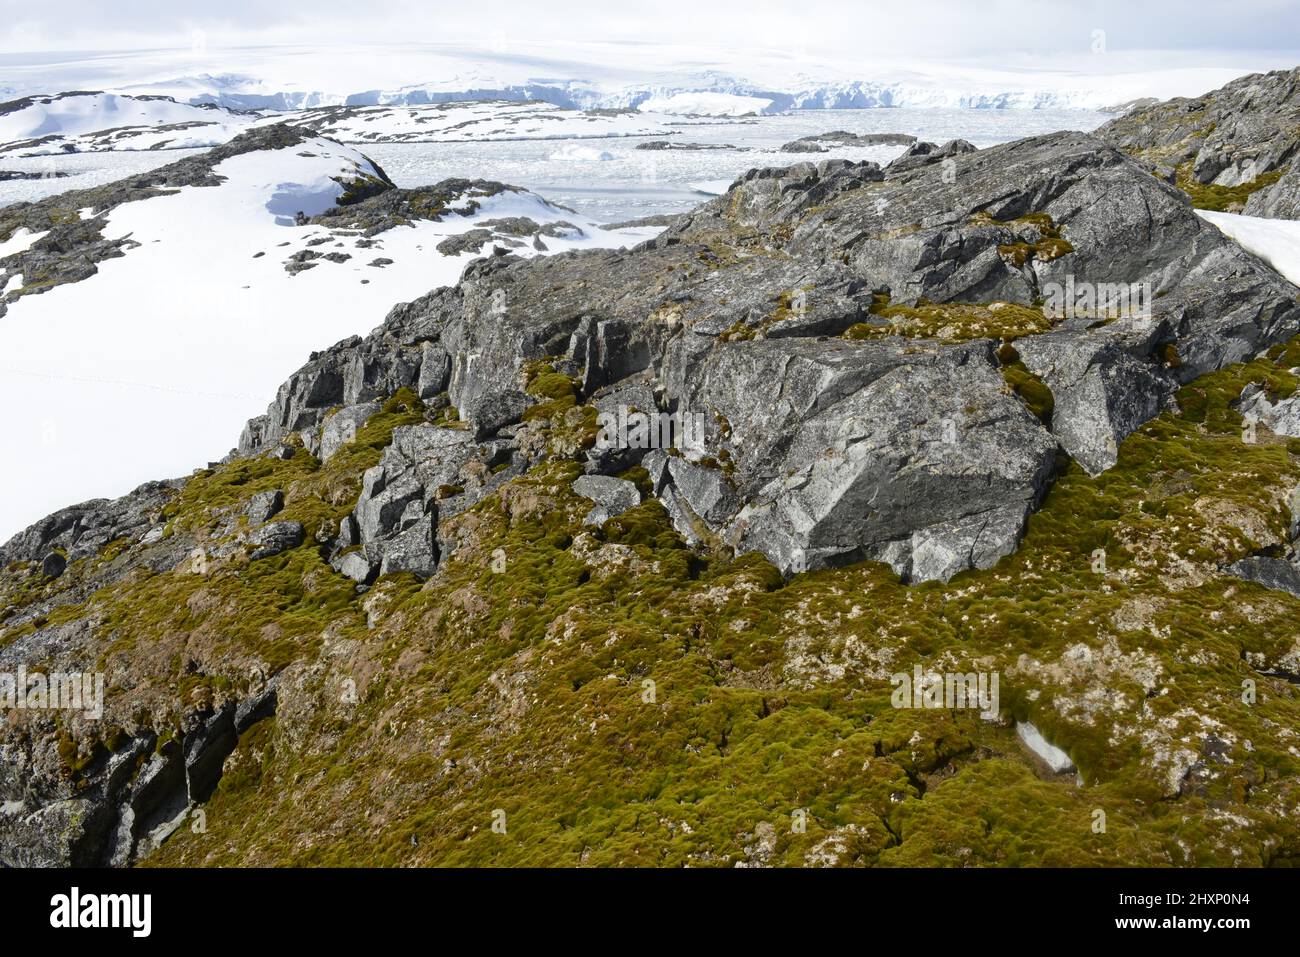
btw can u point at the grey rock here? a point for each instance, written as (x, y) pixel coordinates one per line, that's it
(354, 565)
(275, 538)
(415, 550)
(487, 413)
(1269, 572)
(707, 491)
(876, 466)
(435, 370)
(1279, 201)
(341, 427)
(1105, 384)
(257, 707)
(263, 506)
(1280, 418)
(974, 541)
(82, 530)
(399, 496)
(1228, 137)
(206, 749)
(923, 154)
(612, 496)
(383, 504)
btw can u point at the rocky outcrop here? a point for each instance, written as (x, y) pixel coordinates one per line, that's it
(1244, 134)
(1281, 417)
(611, 496)
(821, 446)
(839, 139)
(129, 801)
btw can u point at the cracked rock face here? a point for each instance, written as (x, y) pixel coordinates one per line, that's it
(915, 454)
(819, 449)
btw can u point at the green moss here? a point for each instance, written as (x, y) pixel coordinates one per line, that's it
(738, 331)
(1032, 390)
(546, 383)
(587, 772)
(951, 321)
(1048, 244)
(524, 689)
(1221, 198)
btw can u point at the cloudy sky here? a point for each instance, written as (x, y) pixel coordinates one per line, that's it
(1115, 49)
(988, 30)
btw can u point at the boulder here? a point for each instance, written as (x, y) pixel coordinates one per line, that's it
(275, 538)
(341, 427)
(263, 506)
(1269, 572)
(415, 550)
(612, 496)
(354, 565)
(1280, 418)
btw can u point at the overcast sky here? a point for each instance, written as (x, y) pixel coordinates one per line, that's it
(1009, 30)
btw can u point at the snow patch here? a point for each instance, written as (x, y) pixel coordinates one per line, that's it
(712, 187)
(91, 122)
(581, 154)
(1051, 755)
(22, 240)
(1276, 241)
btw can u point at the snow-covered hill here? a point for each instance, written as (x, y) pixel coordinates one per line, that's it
(99, 122)
(457, 122)
(173, 345)
(90, 122)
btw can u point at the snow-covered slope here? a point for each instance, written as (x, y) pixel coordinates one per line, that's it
(158, 359)
(89, 122)
(99, 122)
(458, 122)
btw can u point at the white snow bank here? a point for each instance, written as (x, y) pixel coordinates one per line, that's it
(581, 154)
(1276, 241)
(106, 121)
(701, 103)
(1052, 756)
(22, 240)
(151, 367)
(712, 187)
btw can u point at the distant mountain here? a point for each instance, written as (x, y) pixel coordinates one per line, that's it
(601, 76)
